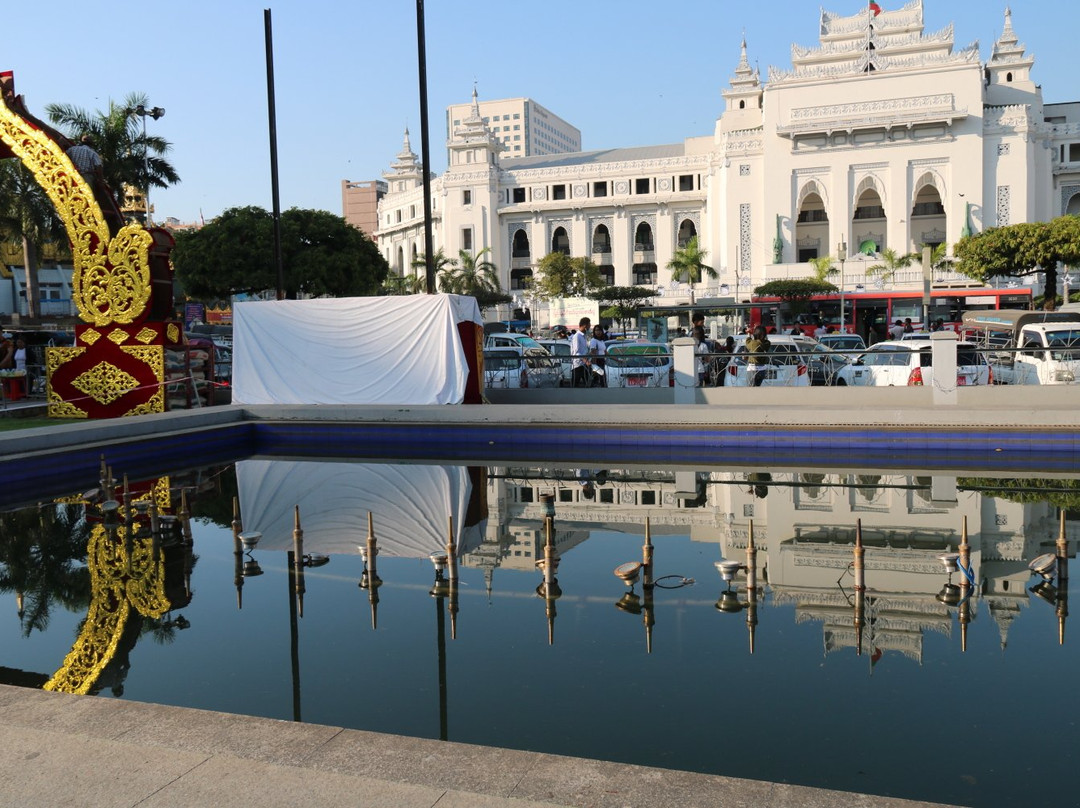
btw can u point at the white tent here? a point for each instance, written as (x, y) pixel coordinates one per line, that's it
(410, 505)
(361, 350)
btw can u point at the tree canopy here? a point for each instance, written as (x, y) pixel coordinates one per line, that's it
(623, 302)
(796, 289)
(563, 276)
(130, 157)
(323, 255)
(1021, 249)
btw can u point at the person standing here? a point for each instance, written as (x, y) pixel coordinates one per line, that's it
(756, 347)
(597, 352)
(7, 352)
(87, 161)
(20, 355)
(579, 351)
(702, 349)
(897, 330)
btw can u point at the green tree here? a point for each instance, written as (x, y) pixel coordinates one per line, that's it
(824, 267)
(624, 302)
(796, 290)
(443, 265)
(1021, 249)
(27, 218)
(234, 254)
(563, 276)
(129, 156)
(688, 265)
(471, 274)
(891, 263)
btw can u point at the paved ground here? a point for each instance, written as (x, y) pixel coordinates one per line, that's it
(91, 751)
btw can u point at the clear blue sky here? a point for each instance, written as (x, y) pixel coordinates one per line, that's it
(626, 73)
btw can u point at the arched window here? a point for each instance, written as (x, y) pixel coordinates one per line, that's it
(521, 245)
(601, 240)
(687, 231)
(643, 238)
(560, 241)
(400, 259)
(742, 105)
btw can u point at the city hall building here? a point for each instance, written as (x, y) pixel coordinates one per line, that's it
(880, 136)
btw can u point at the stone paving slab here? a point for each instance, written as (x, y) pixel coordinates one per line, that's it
(90, 751)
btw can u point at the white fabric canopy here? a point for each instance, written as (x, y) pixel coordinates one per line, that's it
(360, 350)
(410, 505)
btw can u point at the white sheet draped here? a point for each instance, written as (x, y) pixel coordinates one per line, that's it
(410, 505)
(361, 350)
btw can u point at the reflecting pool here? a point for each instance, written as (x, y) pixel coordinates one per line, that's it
(899, 634)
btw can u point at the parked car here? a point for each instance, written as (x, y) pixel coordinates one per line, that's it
(639, 364)
(843, 342)
(823, 363)
(560, 349)
(785, 368)
(510, 339)
(513, 366)
(910, 362)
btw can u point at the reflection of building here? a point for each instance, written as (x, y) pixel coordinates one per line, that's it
(804, 526)
(881, 134)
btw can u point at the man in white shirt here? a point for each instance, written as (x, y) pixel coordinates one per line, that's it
(897, 330)
(579, 350)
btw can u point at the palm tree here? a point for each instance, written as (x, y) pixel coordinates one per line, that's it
(473, 274)
(441, 262)
(130, 156)
(27, 217)
(824, 267)
(892, 262)
(688, 264)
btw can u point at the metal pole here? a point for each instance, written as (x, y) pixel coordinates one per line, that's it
(425, 149)
(272, 113)
(146, 167)
(841, 253)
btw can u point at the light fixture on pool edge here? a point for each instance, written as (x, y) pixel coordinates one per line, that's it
(1045, 566)
(728, 569)
(250, 540)
(315, 559)
(628, 573)
(951, 562)
(110, 511)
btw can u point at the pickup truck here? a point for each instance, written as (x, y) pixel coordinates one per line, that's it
(1027, 347)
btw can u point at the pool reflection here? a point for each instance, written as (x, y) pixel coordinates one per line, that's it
(721, 582)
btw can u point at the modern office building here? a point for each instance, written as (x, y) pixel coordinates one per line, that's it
(523, 127)
(360, 203)
(879, 136)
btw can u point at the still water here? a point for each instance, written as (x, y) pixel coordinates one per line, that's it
(917, 687)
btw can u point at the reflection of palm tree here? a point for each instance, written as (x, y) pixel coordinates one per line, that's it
(43, 558)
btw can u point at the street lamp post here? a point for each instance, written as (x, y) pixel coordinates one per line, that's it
(841, 253)
(155, 113)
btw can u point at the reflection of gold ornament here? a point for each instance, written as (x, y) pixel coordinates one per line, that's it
(104, 383)
(125, 573)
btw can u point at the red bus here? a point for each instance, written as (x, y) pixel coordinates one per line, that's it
(871, 313)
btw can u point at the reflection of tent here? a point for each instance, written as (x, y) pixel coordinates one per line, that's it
(415, 349)
(411, 505)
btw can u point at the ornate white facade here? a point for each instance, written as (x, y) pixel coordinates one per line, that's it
(881, 136)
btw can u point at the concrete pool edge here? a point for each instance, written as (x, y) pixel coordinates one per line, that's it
(98, 751)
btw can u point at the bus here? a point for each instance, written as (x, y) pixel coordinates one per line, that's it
(871, 313)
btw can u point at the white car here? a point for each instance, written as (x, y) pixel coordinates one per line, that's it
(909, 362)
(560, 349)
(785, 367)
(639, 364)
(512, 366)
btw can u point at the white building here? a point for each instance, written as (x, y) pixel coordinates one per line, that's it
(522, 126)
(880, 136)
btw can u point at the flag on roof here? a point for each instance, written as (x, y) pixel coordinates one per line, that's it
(875, 8)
